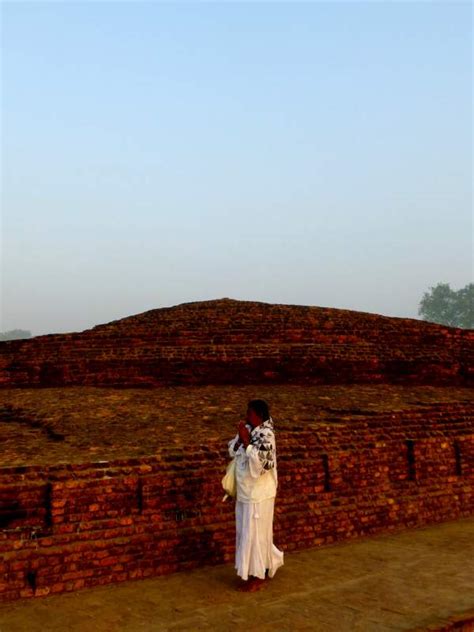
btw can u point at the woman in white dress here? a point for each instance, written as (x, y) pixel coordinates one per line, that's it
(256, 474)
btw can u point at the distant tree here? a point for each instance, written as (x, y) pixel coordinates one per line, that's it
(15, 334)
(449, 307)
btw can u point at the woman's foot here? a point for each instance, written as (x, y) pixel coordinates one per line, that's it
(251, 585)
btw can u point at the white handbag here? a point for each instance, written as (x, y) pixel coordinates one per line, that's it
(228, 482)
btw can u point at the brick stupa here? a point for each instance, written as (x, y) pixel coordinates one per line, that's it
(113, 440)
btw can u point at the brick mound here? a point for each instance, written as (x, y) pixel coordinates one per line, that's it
(101, 484)
(241, 342)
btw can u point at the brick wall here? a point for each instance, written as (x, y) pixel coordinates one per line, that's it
(69, 526)
(239, 342)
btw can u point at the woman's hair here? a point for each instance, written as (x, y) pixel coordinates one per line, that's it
(260, 407)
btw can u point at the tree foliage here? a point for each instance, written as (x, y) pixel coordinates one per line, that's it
(15, 334)
(449, 307)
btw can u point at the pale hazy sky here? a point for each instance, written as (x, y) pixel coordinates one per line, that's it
(159, 153)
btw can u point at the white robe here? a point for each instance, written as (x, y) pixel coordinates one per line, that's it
(256, 491)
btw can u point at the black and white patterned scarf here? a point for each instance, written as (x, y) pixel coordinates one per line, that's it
(263, 437)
